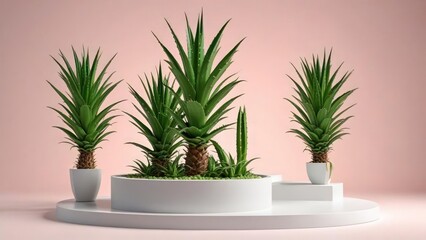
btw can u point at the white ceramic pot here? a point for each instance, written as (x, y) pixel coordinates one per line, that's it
(85, 184)
(190, 196)
(319, 173)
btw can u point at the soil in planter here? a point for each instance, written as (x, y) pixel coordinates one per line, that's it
(196, 177)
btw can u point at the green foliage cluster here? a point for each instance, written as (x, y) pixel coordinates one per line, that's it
(158, 125)
(318, 104)
(199, 83)
(192, 111)
(172, 169)
(86, 121)
(187, 114)
(226, 166)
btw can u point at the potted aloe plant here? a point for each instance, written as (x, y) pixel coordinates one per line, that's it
(227, 185)
(187, 115)
(319, 104)
(86, 122)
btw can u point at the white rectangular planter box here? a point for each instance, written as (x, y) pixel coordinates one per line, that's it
(294, 191)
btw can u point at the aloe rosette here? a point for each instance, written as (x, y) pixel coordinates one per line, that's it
(203, 90)
(319, 105)
(157, 124)
(86, 121)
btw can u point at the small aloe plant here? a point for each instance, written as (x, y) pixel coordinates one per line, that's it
(171, 169)
(242, 135)
(143, 169)
(214, 169)
(174, 169)
(227, 164)
(157, 124)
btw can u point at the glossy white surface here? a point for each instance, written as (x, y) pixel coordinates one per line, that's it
(401, 217)
(190, 196)
(282, 215)
(276, 178)
(293, 191)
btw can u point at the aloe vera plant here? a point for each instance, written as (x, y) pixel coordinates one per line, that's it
(86, 121)
(319, 105)
(227, 165)
(242, 135)
(143, 169)
(173, 169)
(203, 91)
(158, 124)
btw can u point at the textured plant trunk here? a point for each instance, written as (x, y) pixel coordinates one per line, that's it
(196, 160)
(320, 157)
(86, 160)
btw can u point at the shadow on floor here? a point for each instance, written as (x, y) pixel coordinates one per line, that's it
(50, 215)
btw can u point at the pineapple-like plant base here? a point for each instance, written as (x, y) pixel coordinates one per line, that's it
(320, 157)
(196, 160)
(86, 160)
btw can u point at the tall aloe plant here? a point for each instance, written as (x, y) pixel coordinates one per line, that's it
(86, 121)
(158, 125)
(319, 105)
(201, 105)
(242, 135)
(228, 166)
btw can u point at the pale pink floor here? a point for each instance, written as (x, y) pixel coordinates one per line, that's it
(33, 217)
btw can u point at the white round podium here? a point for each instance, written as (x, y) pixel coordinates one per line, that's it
(282, 215)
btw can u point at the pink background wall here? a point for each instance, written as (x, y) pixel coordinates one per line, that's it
(383, 41)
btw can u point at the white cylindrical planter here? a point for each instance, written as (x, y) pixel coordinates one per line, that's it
(318, 173)
(190, 196)
(85, 184)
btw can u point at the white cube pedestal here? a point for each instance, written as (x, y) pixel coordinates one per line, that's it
(293, 191)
